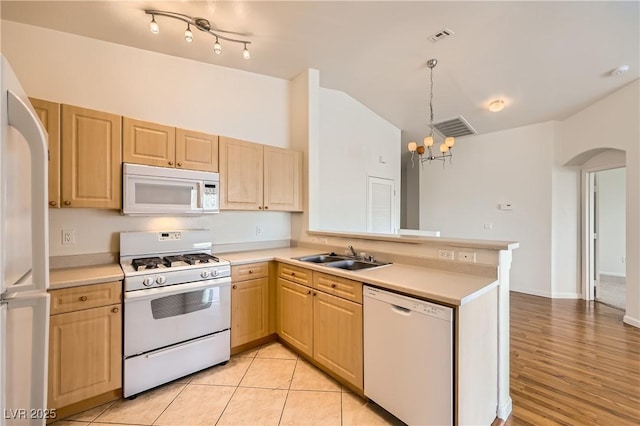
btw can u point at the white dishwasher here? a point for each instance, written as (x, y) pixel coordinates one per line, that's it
(408, 357)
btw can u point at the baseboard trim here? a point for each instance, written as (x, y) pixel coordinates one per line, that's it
(612, 274)
(566, 296)
(634, 322)
(548, 295)
(504, 409)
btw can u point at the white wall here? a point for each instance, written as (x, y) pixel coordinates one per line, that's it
(80, 71)
(354, 143)
(513, 166)
(613, 122)
(612, 220)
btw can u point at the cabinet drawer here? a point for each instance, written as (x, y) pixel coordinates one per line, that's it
(85, 297)
(295, 274)
(338, 286)
(249, 271)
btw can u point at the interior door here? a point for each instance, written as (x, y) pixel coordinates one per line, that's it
(380, 205)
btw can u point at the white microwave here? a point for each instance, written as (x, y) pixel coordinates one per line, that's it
(152, 191)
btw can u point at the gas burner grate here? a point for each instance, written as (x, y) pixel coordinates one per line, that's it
(189, 259)
(144, 263)
(194, 258)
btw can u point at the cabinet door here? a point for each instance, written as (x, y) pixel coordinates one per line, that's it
(241, 168)
(85, 354)
(196, 151)
(282, 179)
(295, 315)
(148, 143)
(249, 311)
(49, 114)
(337, 333)
(91, 158)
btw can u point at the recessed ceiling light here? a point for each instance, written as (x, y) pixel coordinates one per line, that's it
(496, 106)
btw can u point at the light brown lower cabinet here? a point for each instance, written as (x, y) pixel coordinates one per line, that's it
(295, 315)
(85, 345)
(249, 311)
(326, 328)
(337, 336)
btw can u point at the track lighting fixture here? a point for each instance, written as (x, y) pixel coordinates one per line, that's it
(203, 25)
(153, 26)
(188, 35)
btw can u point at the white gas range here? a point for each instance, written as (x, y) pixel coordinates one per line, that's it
(177, 307)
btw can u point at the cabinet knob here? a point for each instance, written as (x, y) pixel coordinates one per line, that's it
(259, 207)
(179, 164)
(266, 207)
(67, 203)
(308, 291)
(235, 287)
(83, 298)
(333, 286)
(315, 294)
(293, 274)
(171, 163)
(53, 203)
(115, 310)
(251, 271)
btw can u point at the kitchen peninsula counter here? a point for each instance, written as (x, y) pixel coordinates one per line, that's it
(446, 287)
(84, 275)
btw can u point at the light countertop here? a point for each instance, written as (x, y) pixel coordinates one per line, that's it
(84, 275)
(451, 288)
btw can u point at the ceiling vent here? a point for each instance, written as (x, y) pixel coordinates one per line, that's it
(456, 127)
(443, 33)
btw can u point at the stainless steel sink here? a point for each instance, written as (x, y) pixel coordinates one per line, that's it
(354, 265)
(321, 258)
(334, 260)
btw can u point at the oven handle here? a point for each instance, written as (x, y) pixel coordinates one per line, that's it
(151, 293)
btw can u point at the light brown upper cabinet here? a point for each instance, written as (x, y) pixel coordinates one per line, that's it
(196, 151)
(282, 179)
(258, 177)
(91, 158)
(49, 114)
(158, 145)
(148, 143)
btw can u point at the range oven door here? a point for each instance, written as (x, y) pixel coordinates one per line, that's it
(158, 317)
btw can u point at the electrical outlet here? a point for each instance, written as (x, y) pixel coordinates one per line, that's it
(624, 259)
(488, 226)
(446, 254)
(68, 237)
(467, 256)
(258, 230)
(323, 241)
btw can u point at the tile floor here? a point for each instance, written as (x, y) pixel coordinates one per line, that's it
(266, 386)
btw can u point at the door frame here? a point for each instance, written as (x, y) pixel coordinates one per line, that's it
(589, 252)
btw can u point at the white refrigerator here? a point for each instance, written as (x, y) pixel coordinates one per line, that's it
(24, 257)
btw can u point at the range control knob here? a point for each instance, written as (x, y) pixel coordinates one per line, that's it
(204, 274)
(147, 281)
(214, 273)
(161, 280)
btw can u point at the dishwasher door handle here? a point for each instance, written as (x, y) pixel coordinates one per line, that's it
(400, 310)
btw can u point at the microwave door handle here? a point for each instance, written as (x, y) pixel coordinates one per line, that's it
(200, 196)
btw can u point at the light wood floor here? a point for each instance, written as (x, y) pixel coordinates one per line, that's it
(572, 363)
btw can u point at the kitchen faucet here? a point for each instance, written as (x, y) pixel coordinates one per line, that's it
(353, 251)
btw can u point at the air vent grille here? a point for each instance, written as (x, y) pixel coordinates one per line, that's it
(443, 33)
(456, 127)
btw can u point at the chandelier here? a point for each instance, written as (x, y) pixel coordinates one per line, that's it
(203, 25)
(424, 151)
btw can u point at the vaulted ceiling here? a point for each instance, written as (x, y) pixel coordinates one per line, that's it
(547, 60)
